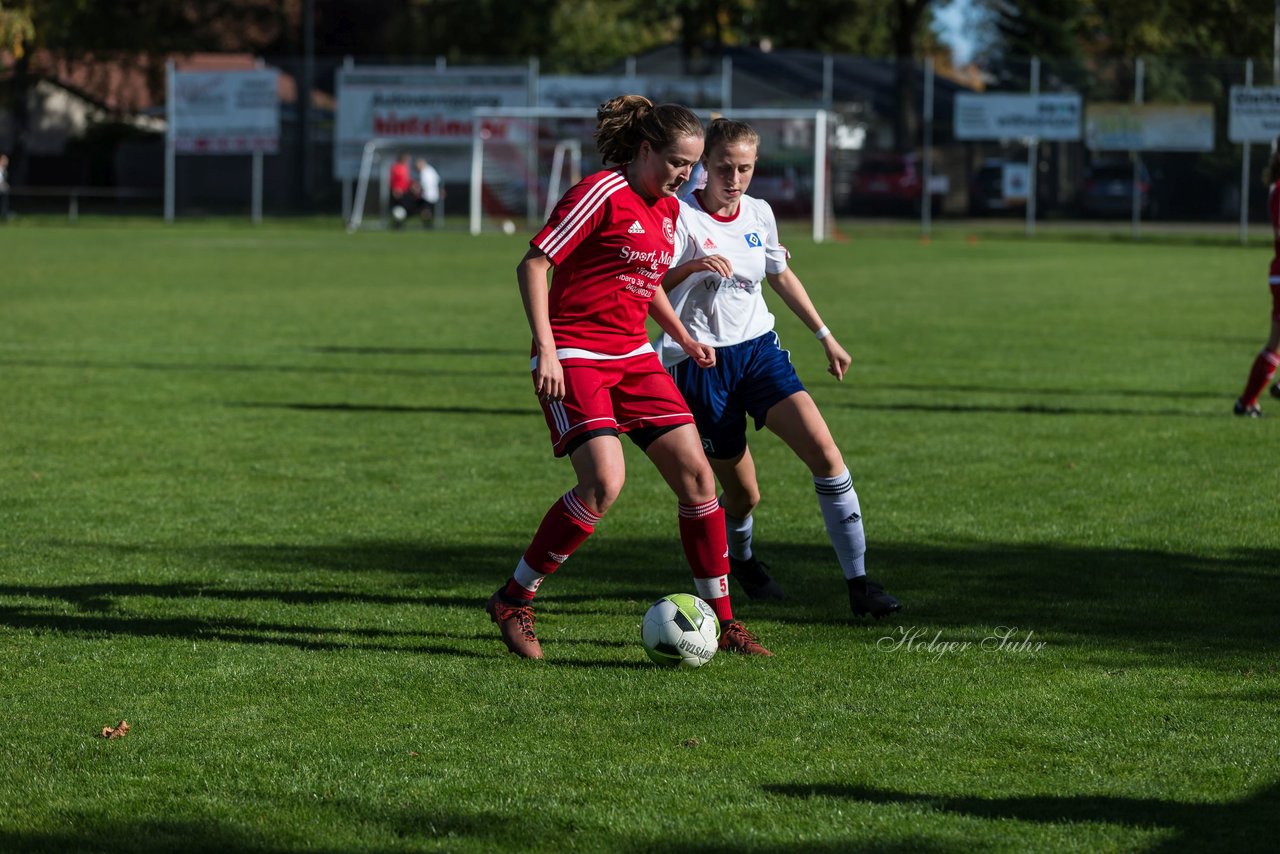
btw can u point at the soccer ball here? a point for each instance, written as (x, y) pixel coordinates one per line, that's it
(508, 227)
(680, 630)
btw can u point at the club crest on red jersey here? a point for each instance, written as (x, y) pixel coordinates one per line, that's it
(668, 228)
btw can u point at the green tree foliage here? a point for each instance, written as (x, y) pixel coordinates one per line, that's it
(1130, 28)
(16, 28)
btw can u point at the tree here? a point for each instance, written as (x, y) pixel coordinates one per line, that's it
(131, 31)
(1131, 28)
(16, 29)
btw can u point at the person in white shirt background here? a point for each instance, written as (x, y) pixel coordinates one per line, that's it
(429, 185)
(726, 248)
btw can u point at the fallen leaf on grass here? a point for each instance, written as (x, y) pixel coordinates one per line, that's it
(120, 730)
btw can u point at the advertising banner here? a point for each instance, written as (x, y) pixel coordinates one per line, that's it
(1149, 127)
(1255, 114)
(423, 106)
(225, 112)
(1051, 117)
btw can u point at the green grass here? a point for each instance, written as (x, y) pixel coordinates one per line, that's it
(255, 485)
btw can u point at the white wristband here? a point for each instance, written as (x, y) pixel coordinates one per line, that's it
(822, 333)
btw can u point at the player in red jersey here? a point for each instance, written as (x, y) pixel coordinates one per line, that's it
(610, 242)
(1264, 366)
(405, 198)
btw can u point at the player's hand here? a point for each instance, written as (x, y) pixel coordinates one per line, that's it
(838, 360)
(548, 378)
(717, 264)
(703, 355)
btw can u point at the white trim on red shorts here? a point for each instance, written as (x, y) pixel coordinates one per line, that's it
(579, 353)
(657, 418)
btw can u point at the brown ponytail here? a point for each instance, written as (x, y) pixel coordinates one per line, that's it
(623, 123)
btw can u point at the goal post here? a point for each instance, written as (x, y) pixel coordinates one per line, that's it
(517, 154)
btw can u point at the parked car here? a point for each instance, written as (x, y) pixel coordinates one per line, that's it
(890, 183)
(1107, 190)
(999, 186)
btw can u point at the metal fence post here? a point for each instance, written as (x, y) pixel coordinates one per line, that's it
(1135, 154)
(1244, 167)
(170, 170)
(1033, 154)
(926, 196)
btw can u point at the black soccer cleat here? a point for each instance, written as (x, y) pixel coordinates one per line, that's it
(867, 597)
(1275, 391)
(1252, 411)
(754, 577)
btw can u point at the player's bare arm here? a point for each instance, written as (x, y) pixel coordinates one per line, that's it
(665, 316)
(548, 376)
(788, 286)
(715, 263)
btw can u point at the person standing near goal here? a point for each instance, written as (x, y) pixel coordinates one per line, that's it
(610, 242)
(1264, 366)
(727, 246)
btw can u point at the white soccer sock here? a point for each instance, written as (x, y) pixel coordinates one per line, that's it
(843, 517)
(739, 534)
(527, 577)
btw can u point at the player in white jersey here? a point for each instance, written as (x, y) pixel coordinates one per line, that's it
(726, 248)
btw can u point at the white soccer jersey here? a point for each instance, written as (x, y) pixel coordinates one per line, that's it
(722, 311)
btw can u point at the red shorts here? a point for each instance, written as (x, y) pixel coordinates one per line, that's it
(1275, 303)
(618, 394)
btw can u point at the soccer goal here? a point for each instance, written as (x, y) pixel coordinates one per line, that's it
(518, 163)
(371, 206)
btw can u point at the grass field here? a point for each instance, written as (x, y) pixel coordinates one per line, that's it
(257, 484)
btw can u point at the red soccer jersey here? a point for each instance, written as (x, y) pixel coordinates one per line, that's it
(400, 181)
(610, 248)
(1273, 205)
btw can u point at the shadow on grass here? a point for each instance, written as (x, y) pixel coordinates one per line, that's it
(1243, 825)
(1189, 608)
(452, 352)
(1047, 392)
(409, 410)
(1196, 607)
(406, 827)
(248, 367)
(97, 834)
(1031, 409)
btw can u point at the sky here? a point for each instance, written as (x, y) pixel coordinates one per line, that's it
(951, 28)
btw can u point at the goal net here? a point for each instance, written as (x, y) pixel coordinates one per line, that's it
(522, 161)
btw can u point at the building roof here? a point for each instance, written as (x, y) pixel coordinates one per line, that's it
(794, 78)
(134, 83)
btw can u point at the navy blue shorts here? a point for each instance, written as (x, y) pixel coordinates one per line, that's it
(748, 379)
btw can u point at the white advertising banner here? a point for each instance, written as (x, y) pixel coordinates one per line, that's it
(1149, 127)
(1052, 117)
(1255, 114)
(421, 106)
(225, 112)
